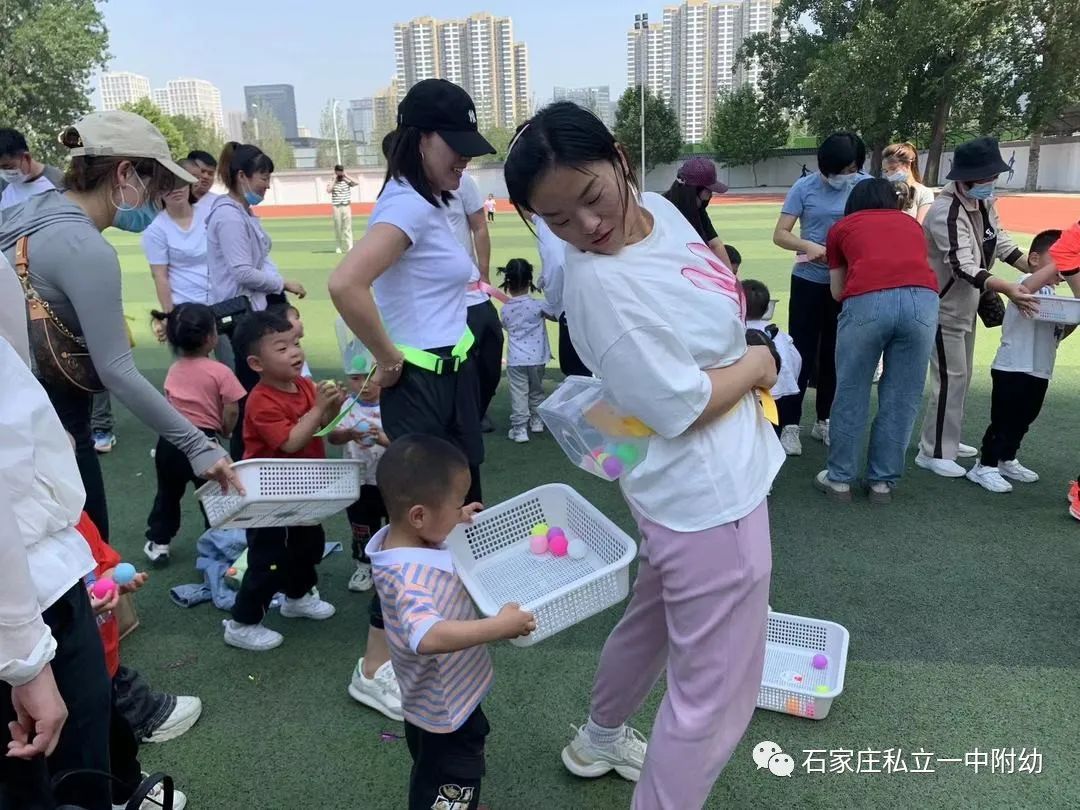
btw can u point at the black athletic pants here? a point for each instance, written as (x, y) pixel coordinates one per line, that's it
(366, 516)
(174, 473)
(487, 351)
(1015, 403)
(447, 768)
(74, 408)
(569, 362)
(812, 317)
(279, 559)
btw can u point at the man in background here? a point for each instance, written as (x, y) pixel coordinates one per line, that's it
(204, 166)
(340, 191)
(21, 177)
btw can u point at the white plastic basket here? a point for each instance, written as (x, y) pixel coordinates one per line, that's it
(789, 682)
(1058, 309)
(492, 557)
(282, 492)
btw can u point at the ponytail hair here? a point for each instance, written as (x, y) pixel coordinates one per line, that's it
(241, 157)
(517, 275)
(188, 327)
(907, 154)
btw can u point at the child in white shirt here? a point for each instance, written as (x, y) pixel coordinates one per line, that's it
(527, 349)
(1021, 373)
(787, 386)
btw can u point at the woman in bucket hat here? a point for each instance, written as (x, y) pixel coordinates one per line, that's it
(964, 238)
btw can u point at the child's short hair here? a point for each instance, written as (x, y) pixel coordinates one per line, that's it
(254, 327)
(517, 275)
(187, 326)
(417, 469)
(284, 310)
(733, 254)
(1044, 241)
(757, 298)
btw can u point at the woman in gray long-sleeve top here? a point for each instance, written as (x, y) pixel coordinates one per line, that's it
(238, 250)
(120, 168)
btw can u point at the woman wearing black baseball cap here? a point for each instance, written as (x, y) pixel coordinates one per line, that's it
(418, 335)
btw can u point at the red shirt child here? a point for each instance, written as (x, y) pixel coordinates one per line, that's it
(270, 416)
(882, 249)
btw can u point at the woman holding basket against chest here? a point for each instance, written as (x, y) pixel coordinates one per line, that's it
(660, 321)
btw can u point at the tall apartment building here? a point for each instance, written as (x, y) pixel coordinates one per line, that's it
(160, 97)
(384, 110)
(597, 99)
(477, 53)
(689, 58)
(195, 98)
(118, 89)
(279, 99)
(360, 119)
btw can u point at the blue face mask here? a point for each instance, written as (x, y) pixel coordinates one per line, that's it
(842, 182)
(135, 220)
(252, 198)
(897, 177)
(980, 191)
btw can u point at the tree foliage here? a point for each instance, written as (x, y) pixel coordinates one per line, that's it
(198, 134)
(48, 51)
(500, 138)
(326, 155)
(746, 127)
(663, 140)
(265, 131)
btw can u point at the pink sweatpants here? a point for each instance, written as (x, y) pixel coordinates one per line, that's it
(699, 607)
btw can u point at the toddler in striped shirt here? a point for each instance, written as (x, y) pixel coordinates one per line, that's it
(436, 640)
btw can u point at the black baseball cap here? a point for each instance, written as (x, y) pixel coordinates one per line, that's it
(437, 105)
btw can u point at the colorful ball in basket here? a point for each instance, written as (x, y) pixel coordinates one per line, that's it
(558, 546)
(627, 453)
(820, 661)
(792, 706)
(577, 549)
(540, 528)
(538, 544)
(554, 532)
(103, 588)
(124, 573)
(612, 466)
(822, 688)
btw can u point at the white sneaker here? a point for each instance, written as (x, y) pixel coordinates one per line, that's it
(944, 467)
(156, 553)
(360, 580)
(180, 719)
(380, 693)
(338, 251)
(791, 441)
(966, 451)
(252, 637)
(1017, 472)
(836, 490)
(308, 606)
(988, 478)
(104, 441)
(518, 434)
(155, 799)
(625, 756)
(820, 431)
(536, 425)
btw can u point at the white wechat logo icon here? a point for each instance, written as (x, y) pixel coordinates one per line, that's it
(770, 755)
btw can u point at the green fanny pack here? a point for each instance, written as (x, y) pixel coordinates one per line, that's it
(435, 363)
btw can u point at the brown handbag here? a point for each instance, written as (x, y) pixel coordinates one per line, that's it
(61, 359)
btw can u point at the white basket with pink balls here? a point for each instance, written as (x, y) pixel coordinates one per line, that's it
(805, 661)
(580, 568)
(595, 435)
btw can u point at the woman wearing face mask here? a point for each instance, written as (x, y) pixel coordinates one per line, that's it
(418, 270)
(900, 164)
(238, 252)
(816, 202)
(695, 183)
(120, 168)
(661, 322)
(964, 238)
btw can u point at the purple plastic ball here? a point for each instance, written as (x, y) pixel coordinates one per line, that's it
(613, 466)
(820, 661)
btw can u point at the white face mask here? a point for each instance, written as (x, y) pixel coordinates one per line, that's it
(899, 176)
(12, 176)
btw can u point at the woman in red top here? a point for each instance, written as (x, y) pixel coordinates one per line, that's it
(889, 294)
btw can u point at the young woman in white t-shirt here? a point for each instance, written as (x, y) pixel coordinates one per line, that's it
(661, 322)
(900, 163)
(411, 262)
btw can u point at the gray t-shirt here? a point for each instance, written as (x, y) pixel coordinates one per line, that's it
(77, 272)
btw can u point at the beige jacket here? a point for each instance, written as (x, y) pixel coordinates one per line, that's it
(963, 238)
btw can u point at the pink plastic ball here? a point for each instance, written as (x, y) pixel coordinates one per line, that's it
(538, 544)
(558, 546)
(103, 588)
(554, 532)
(820, 661)
(613, 466)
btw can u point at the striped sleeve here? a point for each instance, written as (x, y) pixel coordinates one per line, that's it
(959, 245)
(416, 613)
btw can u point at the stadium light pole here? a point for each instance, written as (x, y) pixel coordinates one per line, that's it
(641, 24)
(337, 140)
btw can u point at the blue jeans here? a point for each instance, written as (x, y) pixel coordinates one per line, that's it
(898, 324)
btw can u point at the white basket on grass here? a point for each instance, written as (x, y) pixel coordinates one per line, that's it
(492, 557)
(1058, 309)
(282, 492)
(789, 682)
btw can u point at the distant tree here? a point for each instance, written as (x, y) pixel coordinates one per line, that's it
(326, 156)
(500, 138)
(178, 144)
(746, 127)
(663, 140)
(265, 131)
(48, 51)
(199, 134)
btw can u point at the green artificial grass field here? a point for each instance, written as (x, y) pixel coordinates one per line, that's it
(961, 606)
